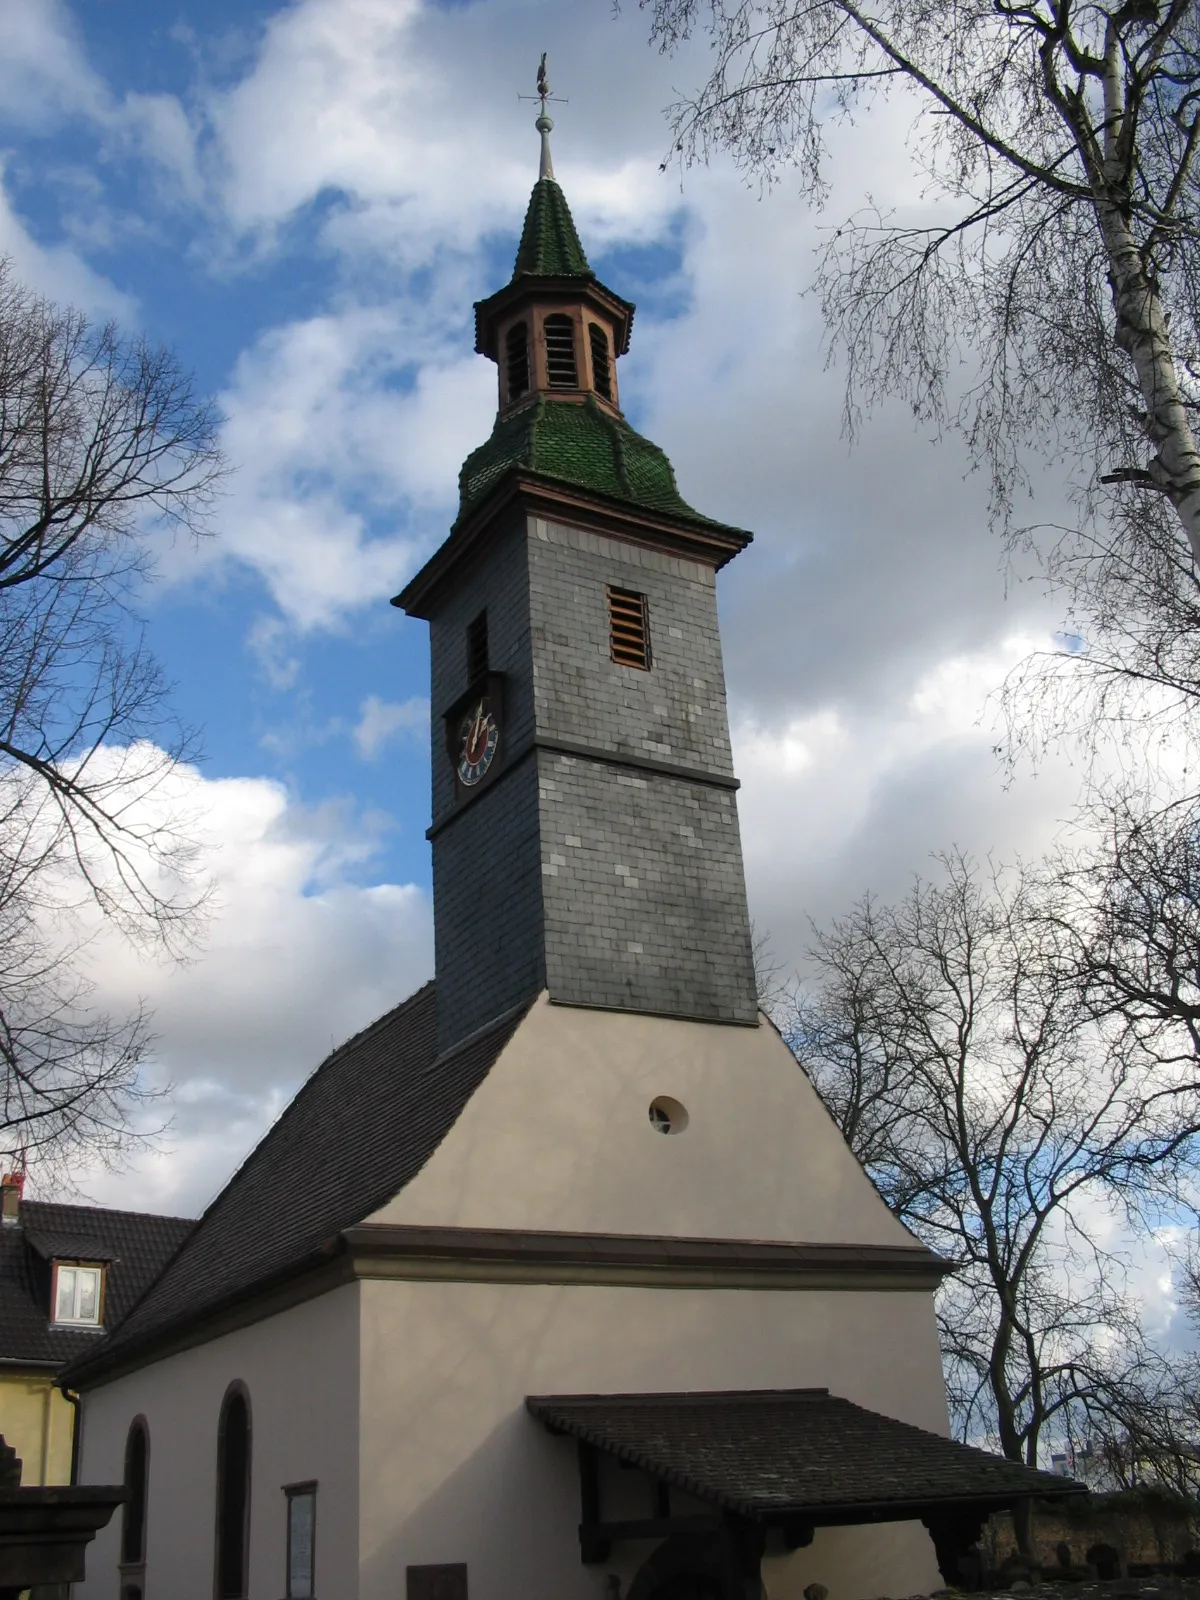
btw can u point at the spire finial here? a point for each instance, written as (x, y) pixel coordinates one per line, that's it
(544, 121)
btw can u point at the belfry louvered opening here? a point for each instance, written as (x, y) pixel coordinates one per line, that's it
(561, 369)
(601, 364)
(516, 360)
(628, 628)
(477, 648)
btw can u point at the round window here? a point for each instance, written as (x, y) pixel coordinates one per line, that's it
(667, 1115)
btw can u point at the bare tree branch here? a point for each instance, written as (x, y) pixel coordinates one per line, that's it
(102, 440)
(1002, 1112)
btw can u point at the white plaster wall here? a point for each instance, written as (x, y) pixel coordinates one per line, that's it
(454, 1469)
(301, 1370)
(558, 1136)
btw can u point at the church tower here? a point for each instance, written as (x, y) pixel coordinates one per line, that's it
(585, 831)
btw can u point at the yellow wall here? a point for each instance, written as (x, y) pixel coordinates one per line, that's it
(37, 1422)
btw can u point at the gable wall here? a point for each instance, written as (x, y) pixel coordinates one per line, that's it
(301, 1370)
(454, 1469)
(558, 1136)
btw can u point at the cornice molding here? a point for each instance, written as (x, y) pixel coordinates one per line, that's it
(582, 752)
(402, 1252)
(710, 543)
(505, 1255)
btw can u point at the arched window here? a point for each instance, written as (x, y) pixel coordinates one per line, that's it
(233, 1495)
(560, 353)
(516, 359)
(601, 365)
(137, 1482)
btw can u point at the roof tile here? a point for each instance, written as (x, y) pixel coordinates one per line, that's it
(550, 246)
(578, 443)
(364, 1124)
(764, 1452)
(136, 1245)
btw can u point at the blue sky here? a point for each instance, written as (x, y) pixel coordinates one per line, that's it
(304, 200)
(266, 696)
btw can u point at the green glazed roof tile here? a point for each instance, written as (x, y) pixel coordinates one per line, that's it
(550, 247)
(581, 445)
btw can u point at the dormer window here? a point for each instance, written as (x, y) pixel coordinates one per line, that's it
(78, 1295)
(561, 369)
(516, 360)
(601, 364)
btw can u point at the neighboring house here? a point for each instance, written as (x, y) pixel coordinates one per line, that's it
(557, 1281)
(67, 1275)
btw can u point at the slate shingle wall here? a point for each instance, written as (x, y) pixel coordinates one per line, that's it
(499, 584)
(487, 907)
(611, 885)
(645, 903)
(676, 711)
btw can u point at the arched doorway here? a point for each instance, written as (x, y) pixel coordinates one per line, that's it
(690, 1567)
(689, 1586)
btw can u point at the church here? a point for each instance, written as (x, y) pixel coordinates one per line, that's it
(557, 1282)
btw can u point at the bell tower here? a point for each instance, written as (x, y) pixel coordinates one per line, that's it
(585, 832)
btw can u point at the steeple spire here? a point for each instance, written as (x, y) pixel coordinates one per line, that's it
(544, 122)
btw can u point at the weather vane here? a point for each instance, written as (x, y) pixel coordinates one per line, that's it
(544, 121)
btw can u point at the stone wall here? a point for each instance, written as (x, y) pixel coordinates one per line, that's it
(1147, 1529)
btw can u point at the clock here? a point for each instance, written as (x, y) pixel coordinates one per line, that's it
(478, 741)
(474, 724)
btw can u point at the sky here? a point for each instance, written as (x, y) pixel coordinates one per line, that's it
(303, 201)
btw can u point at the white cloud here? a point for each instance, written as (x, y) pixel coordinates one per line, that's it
(343, 447)
(58, 271)
(44, 75)
(299, 953)
(839, 801)
(408, 108)
(380, 720)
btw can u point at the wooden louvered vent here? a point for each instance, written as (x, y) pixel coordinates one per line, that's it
(601, 365)
(516, 356)
(629, 628)
(560, 353)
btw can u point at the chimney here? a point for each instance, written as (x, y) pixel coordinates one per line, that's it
(11, 1185)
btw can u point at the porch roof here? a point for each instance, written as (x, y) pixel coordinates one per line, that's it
(769, 1454)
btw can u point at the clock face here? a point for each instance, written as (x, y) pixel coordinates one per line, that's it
(479, 738)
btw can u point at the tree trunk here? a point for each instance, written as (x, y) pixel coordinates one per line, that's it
(1143, 334)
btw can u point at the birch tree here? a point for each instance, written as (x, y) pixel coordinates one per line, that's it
(1043, 296)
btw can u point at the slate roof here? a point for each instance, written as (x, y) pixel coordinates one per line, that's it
(580, 444)
(135, 1245)
(764, 1453)
(363, 1126)
(550, 246)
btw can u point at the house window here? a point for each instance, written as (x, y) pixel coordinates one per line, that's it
(560, 353)
(133, 1513)
(301, 1539)
(448, 1582)
(78, 1295)
(516, 360)
(601, 365)
(628, 628)
(477, 648)
(233, 1496)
